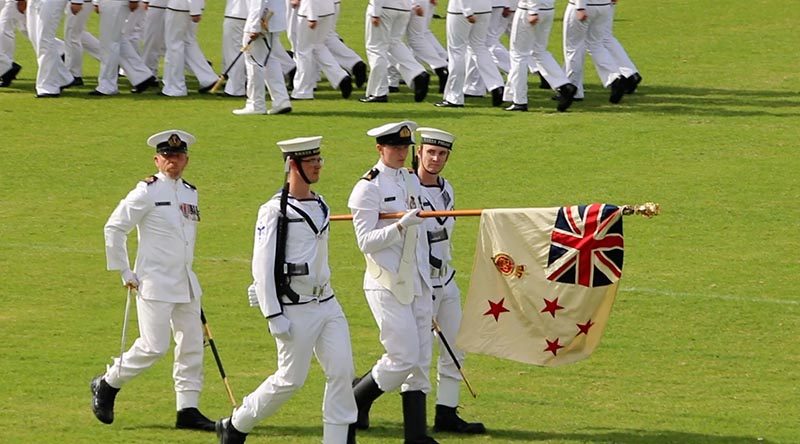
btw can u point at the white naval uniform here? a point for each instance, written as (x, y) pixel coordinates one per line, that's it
(589, 35)
(166, 215)
(180, 36)
(232, 30)
(446, 295)
(405, 328)
(116, 49)
(310, 52)
(385, 47)
(318, 326)
(259, 73)
(77, 40)
(344, 55)
(418, 35)
(529, 50)
(43, 18)
(153, 45)
(10, 20)
(498, 25)
(466, 40)
(626, 66)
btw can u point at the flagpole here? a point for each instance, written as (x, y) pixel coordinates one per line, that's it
(647, 209)
(453, 357)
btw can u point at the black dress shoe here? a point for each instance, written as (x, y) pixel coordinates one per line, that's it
(142, 87)
(227, 433)
(11, 74)
(443, 74)
(517, 107)
(446, 104)
(47, 96)
(290, 79)
(543, 83)
(632, 82)
(103, 396)
(497, 96)
(394, 89)
(447, 420)
(76, 81)
(95, 92)
(346, 87)
(191, 418)
(617, 90)
(566, 95)
(206, 88)
(421, 83)
(473, 96)
(558, 97)
(374, 99)
(360, 73)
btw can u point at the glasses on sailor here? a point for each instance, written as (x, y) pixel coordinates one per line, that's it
(314, 161)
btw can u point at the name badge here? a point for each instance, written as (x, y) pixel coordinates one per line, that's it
(163, 204)
(390, 199)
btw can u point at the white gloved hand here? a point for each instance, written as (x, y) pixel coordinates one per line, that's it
(252, 298)
(279, 327)
(410, 218)
(129, 278)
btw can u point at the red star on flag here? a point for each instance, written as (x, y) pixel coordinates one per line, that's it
(496, 308)
(553, 346)
(551, 307)
(584, 328)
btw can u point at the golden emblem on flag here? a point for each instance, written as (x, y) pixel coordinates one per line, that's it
(506, 266)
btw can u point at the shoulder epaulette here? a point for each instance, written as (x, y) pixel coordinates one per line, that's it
(150, 180)
(188, 185)
(371, 174)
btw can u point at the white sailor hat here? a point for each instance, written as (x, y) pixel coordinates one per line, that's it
(398, 133)
(433, 136)
(171, 141)
(300, 146)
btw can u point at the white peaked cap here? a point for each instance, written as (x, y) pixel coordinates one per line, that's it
(396, 133)
(174, 140)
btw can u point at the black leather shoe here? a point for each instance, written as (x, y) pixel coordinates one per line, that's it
(360, 73)
(95, 92)
(517, 107)
(206, 89)
(346, 87)
(497, 96)
(227, 433)
(191, 418)
(374, 99)
(290, 79)
(447, 420)
(632, 82)
(617, 90)
(421, 83)
(446, 104)
(47, 96)
(558, 97)
(76, 81)
(103, 396)
(543, 83)
(11, 74)
(473, 96)
(394, 89)
(443, 74)
(566, 94)
(142, 87)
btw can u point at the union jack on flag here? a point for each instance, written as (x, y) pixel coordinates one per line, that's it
(586, 246)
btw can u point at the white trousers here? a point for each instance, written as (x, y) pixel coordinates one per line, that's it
(317, 329)
(153, 45)
(589, 35)
(260, 74)
(419, 42)
(344, 55)
(180, 35)
(626, 66)
(10, 21)
(384, 45)
(447, 312)
(405, 333)
(44, 17)
(311, 54)
(466, 40)
(116, 50)
(529, 49)
(498, 25)
(232, 30)
(156, 318)
(77, 40)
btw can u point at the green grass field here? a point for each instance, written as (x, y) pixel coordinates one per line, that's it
(702, 345)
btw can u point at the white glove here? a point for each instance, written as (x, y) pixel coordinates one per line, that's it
(279, 327)
(410, 218)
(251, 295)
(129, 278)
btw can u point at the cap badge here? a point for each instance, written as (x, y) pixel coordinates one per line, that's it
(174, 141)
(405, 132)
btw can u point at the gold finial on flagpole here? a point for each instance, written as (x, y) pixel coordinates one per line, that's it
(647, 209)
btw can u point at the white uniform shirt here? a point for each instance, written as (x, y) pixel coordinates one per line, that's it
(236, 9)
(379, 238)
(314, 9)
(166, 214)
(306, 243)
(469, 7)
(439, 230)
(256, 9)
(193, 7)
(375, 7)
